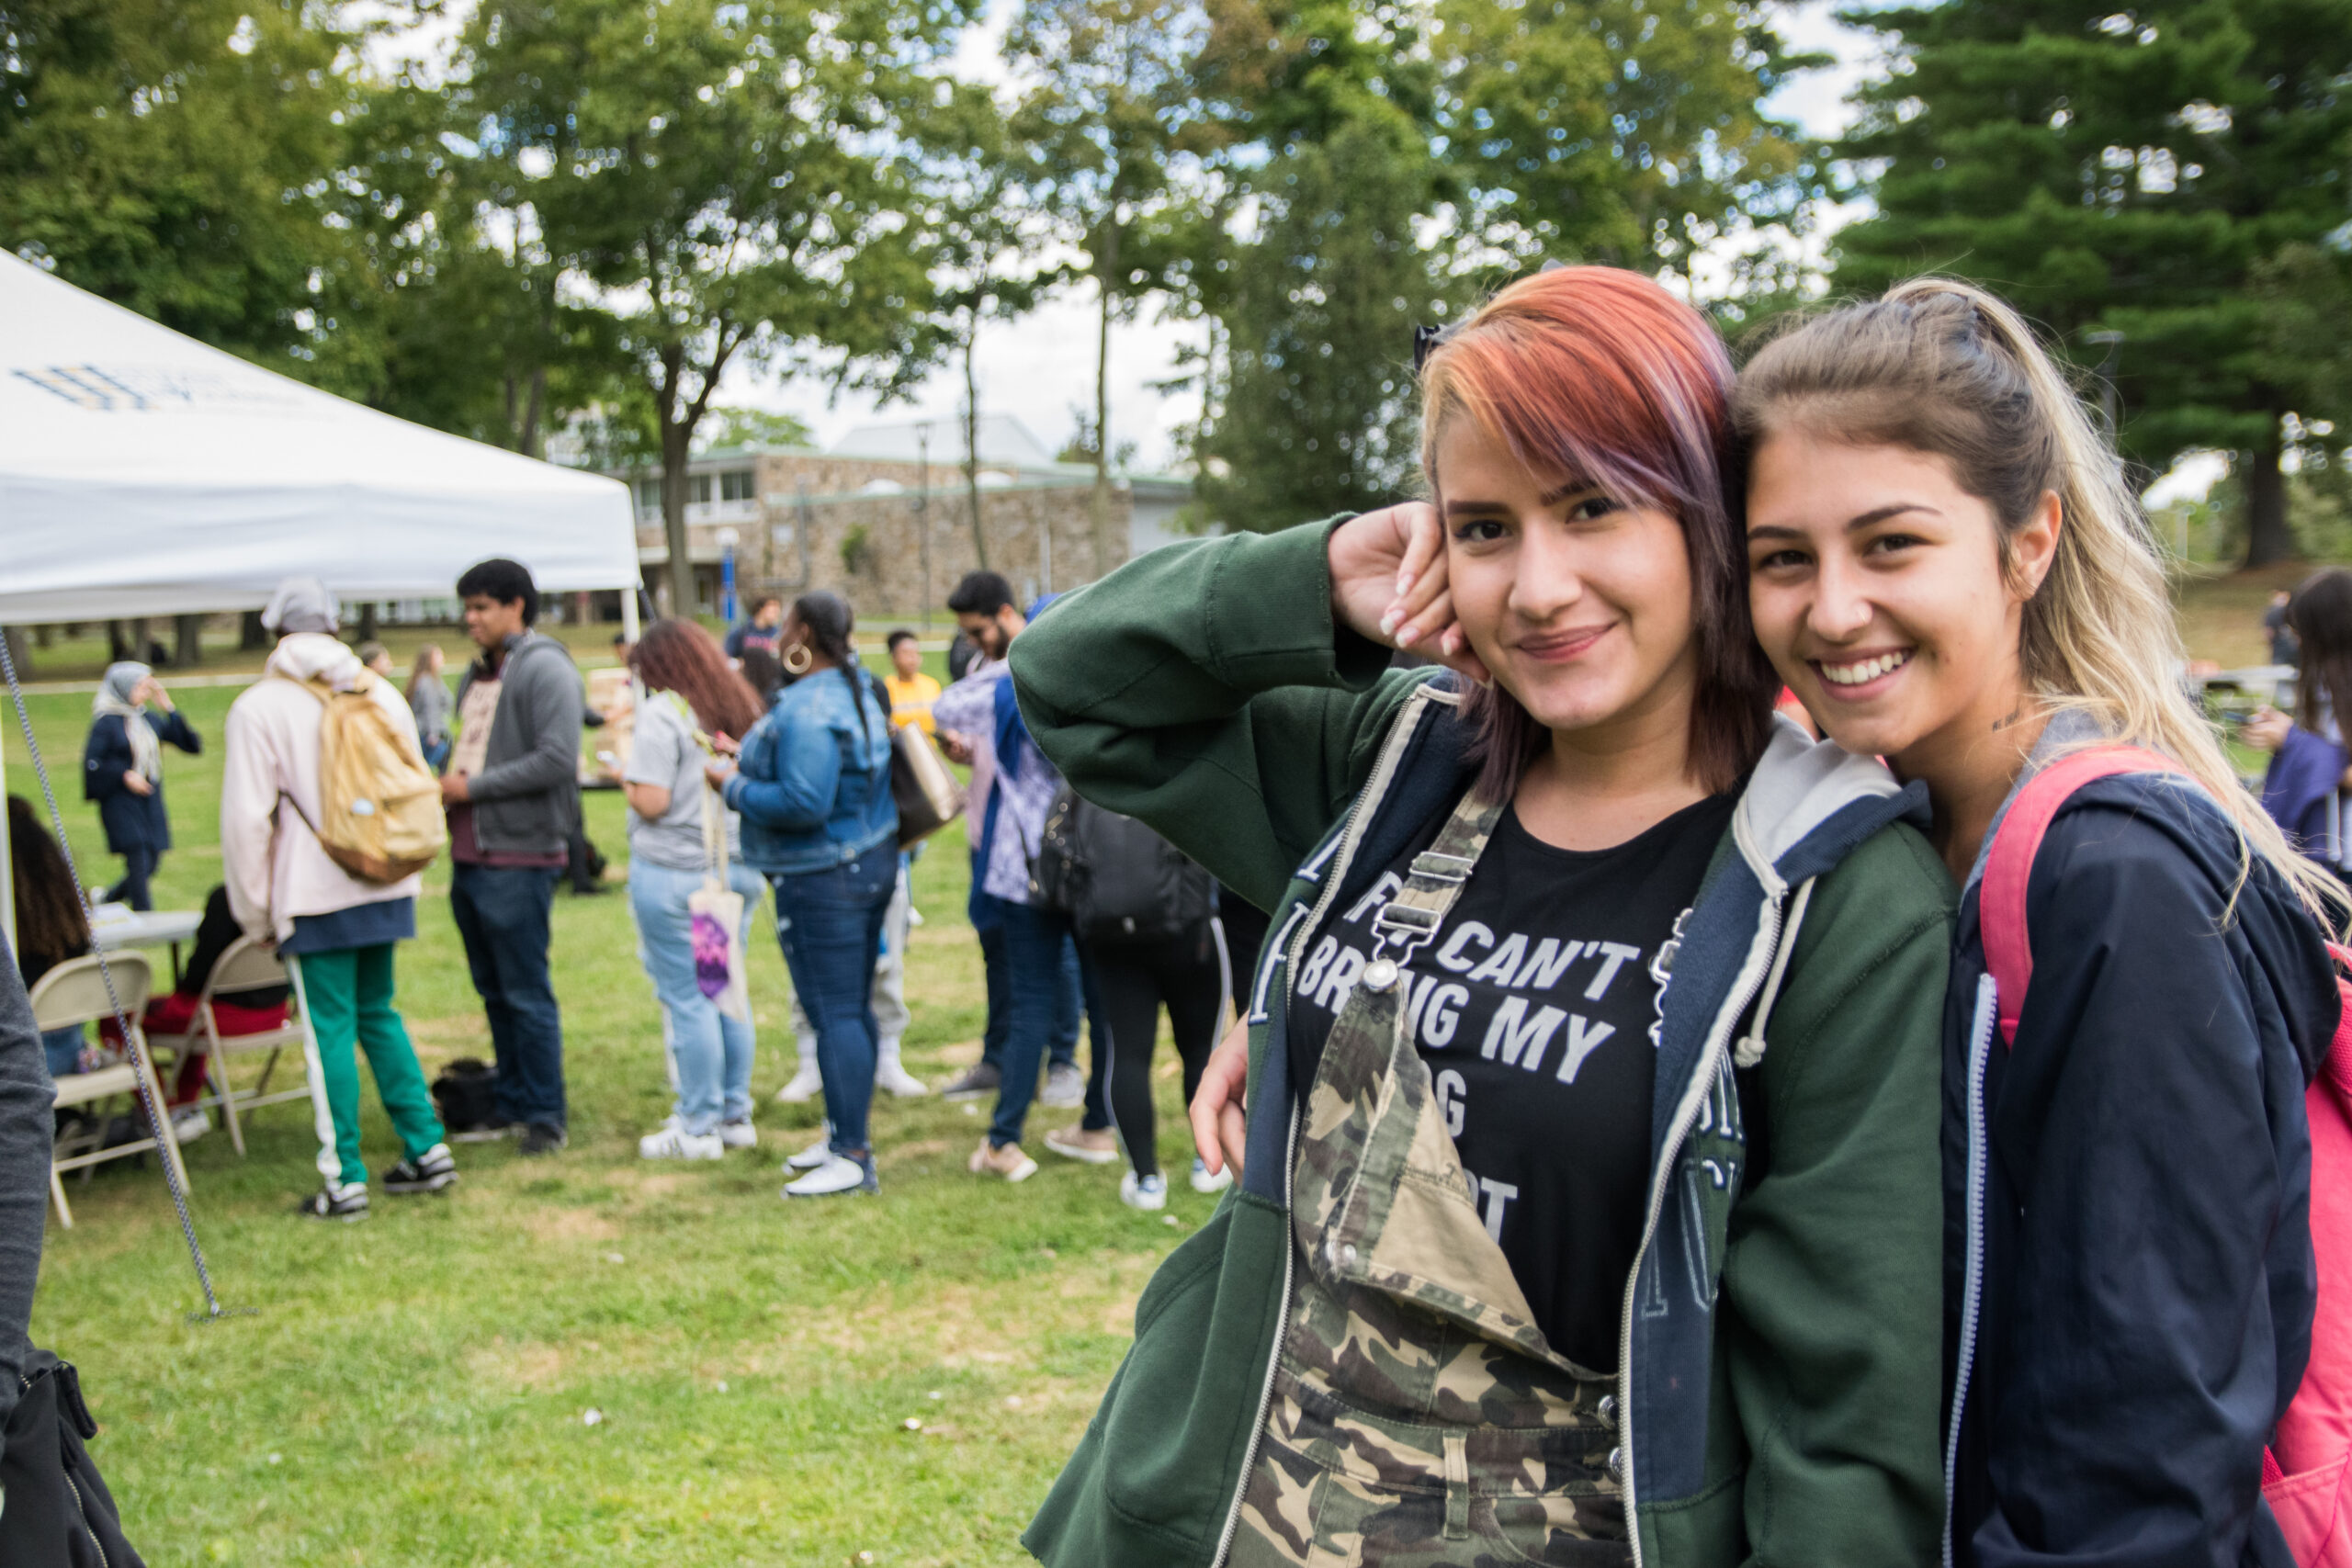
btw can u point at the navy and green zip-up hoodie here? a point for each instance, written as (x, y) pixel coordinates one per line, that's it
(2129, 1275)
(1776, 1398)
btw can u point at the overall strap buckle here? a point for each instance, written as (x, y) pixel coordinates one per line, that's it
(1410, 920)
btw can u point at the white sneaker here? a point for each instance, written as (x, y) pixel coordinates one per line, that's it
(190, 1125)
(890, 1073)
(677, 1143)
(738, 1134)
(1065, 1087)
(1204, 1182)
(839, 1174)
(1148, 1193)
(814, 1156)
(807, 1084)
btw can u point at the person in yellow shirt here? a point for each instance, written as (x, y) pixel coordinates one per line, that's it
(912, 691)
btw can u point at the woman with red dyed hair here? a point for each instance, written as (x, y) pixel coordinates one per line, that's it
(1588, 1208)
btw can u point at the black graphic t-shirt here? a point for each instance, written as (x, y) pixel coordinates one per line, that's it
(1532, 1005)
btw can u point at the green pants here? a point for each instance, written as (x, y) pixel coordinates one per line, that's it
(348, 992)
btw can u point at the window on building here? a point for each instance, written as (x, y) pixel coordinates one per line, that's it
(699, 489)
(648, 495)
(735, 484)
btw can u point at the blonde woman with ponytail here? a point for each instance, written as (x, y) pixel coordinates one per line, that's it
(1948, 571)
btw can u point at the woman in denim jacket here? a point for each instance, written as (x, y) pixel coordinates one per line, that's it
(812, 785)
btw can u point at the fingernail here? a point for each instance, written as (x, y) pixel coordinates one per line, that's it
(1388, 624)
(1405, 637)
(1404, 584)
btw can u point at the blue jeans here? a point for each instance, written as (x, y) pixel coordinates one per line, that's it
(62, 1048)
(713, 1050)
(502, 914)
(437, 753)
(1061, 1048)
(1038, 952)
(830, 925)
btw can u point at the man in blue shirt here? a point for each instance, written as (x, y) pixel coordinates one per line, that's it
(763, 631)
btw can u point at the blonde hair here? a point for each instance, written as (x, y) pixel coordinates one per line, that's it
(1944, 367)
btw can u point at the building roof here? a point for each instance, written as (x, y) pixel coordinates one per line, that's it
(1004, 441)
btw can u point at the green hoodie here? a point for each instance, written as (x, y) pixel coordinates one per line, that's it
(1206, 689)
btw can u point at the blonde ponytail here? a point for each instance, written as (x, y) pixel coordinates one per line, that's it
(1943, 366)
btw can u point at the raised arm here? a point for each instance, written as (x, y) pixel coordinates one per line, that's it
(1208, 690)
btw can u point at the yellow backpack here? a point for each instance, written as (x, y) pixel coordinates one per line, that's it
(379, 805)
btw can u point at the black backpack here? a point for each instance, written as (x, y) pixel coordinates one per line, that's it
(1119, 881)
(466, 1094)
(57, 1512)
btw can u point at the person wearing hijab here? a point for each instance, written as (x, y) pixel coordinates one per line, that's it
(122, 770)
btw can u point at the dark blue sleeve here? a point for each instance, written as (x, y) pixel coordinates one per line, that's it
(106, 757)
(175, 730)
(2150, 1126)
(2299, 787)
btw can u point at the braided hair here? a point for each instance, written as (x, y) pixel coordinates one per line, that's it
(828, 620)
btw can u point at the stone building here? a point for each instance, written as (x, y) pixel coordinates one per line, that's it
(885, 517)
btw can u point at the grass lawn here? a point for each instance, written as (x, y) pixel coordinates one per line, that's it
(413, 1389)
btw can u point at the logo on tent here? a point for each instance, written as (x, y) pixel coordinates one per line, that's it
(140, 388)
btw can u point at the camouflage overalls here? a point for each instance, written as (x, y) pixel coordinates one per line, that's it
(1418, 1416)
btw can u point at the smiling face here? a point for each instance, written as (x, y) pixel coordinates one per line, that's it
(1581, 606)
(1878, 591)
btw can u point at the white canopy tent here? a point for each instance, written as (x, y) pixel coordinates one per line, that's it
(142, 473)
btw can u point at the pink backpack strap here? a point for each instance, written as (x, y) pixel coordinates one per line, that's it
(2000, 900)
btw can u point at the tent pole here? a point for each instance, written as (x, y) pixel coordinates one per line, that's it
(629, 628)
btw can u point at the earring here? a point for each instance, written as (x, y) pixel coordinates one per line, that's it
(799, 651)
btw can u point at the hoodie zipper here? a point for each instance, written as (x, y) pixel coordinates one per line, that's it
(1382, 773)
(1980, 1051)
(1701, 1084)
(80, 1508)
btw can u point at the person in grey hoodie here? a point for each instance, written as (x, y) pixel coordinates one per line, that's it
(513, 795)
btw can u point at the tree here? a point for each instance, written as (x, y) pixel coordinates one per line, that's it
(733, 178)
(1314, 262)
(755, 427)
(190, 159)
(1630, 132)
(1113, 112)
(2130, 172)
(984, 184)
(1318, 409)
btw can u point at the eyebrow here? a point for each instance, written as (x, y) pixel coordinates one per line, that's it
(1549, 498)
(1875, 514)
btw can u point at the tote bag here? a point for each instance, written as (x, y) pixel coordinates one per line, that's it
(715, 911)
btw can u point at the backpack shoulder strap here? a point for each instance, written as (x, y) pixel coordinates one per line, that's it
(2007, 869)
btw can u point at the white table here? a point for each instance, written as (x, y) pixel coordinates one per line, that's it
(156, 928)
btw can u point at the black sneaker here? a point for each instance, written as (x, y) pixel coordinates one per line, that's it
(484, 1133)
(981, 1080)
(540, 1138)
(428, 1173)
(348, 1205)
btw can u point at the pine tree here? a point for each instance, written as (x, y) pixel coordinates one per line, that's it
(2140, 173)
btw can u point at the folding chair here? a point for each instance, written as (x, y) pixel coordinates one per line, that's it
(246, 967)
(74, 993)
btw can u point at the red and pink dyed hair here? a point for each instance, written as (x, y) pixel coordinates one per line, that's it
(1597, 376)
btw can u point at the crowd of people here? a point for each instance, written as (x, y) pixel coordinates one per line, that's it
(757, 776)
(1660, 1132)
